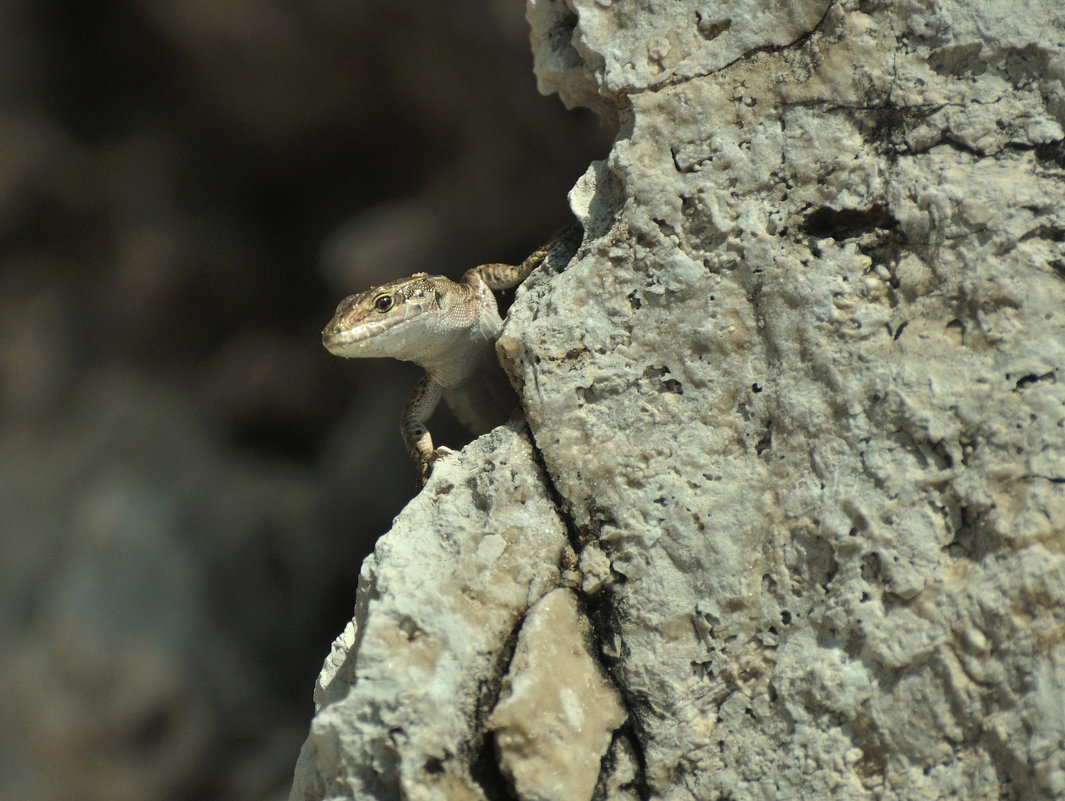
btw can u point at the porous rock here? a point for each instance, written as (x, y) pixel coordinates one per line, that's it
(557, 713)
(402, 701)
(801, 385)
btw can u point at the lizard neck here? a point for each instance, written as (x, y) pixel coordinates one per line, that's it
(457, 346)
(459, 335)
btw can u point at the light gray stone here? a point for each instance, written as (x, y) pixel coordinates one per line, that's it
(557, 714)
(404, 696)
(801, 387)
(802, 383)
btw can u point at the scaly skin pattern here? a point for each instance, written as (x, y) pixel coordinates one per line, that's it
(447, 328)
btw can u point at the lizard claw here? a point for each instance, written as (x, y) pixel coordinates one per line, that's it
(425, 468)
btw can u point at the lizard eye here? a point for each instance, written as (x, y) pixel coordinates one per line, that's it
(382, 303)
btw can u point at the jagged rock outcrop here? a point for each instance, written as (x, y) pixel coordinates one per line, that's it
(801, 388)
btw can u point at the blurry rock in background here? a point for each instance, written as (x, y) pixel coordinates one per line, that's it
(188, 481)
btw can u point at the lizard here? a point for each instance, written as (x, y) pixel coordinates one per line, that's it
(449, 329)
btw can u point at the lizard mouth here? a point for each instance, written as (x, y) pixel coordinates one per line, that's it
(340, 336)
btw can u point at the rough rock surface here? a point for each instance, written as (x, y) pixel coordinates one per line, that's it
(403, 699)
(556, 715)
(802, 386)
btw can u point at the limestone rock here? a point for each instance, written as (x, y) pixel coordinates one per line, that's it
(802, 383)
(557, 714)
(801, 387)
(403, 699)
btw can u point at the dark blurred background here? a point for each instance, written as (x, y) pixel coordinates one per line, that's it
(188, 481)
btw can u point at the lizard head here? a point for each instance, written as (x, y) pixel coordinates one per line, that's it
(387, 320)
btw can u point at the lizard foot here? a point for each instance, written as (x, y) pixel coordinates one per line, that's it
(425, 467)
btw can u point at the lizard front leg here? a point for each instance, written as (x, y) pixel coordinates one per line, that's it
(420, 405)
(504, 276)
